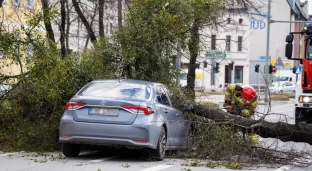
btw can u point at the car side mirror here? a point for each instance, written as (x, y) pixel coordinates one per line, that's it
(188, 108)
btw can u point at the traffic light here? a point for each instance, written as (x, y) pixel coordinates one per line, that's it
(216, 69)
(231, 65)
(294, 70)
(205, 64)
(271, 67)
(257, 68)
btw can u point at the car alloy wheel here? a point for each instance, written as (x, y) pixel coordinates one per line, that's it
(160, 152)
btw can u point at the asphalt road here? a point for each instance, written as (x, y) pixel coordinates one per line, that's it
(130, 160)
(95, 161)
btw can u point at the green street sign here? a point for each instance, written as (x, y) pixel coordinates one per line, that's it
(213, 54)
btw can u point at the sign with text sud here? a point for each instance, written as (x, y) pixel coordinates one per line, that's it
(215, 54)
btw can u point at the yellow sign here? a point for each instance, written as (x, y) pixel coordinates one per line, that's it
(286, 62)
(273, 62)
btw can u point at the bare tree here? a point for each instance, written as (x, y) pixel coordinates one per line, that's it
(62, 29)
(101, 17)
(119, 13)
(47, 21)
(84, 21)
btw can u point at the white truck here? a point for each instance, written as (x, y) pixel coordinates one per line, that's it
(199, 79)
(284, 75)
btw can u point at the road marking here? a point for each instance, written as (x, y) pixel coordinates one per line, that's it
(157, 168)
(102, 159)
(6, 154)
(283, 168)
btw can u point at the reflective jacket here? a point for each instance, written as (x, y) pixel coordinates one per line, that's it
(233, 95)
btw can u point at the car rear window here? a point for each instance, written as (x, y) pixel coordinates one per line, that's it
(121, 90)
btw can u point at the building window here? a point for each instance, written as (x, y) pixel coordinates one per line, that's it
(239, 43)
(240, 21)
(30, 4)
(111, 28)
(228, 43)
(5, 2)
(213, 42)
(17, 3)
(228, 20)
(238, 75)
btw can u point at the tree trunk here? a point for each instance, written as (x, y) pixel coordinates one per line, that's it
(84, 21)
(67, 25)
(47, 21)
(91, 24)
(119, 14)
(101, 17)
(62, 29)
(280, 130)
(193, 46)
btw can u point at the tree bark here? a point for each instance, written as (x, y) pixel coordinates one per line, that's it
(101, 17)
(119, 14)
(280, 130)
(67, 25)
(84, 21)
(47, 21)
(193, 48)
(62, 29)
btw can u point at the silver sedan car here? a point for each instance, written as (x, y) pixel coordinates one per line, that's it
(122, 112)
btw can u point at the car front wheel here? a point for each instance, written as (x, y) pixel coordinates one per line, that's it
(71, 150)
(160, 152)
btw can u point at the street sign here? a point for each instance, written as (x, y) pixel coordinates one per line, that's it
(298, 70)
(263, 57)
(279, 62)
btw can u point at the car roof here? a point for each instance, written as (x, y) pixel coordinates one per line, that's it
(147, 83)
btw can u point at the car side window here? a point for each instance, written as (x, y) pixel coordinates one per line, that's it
(161, 96)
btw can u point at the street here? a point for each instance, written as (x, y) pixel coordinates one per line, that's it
(133, 160)
(95, 161)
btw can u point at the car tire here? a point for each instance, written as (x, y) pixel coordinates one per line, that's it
(293, 92)
(281, 91)
(160, 152)
(71, 150)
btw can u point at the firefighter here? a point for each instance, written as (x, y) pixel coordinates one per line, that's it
(242, 100)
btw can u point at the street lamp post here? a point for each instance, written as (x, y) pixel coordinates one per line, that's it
(266, 99)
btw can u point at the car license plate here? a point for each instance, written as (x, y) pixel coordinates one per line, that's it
(103, 111)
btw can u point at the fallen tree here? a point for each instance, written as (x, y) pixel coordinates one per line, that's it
(280, 130)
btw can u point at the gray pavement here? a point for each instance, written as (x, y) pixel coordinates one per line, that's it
(94, 161)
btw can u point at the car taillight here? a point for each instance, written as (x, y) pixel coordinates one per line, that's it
(73, 105)
(139, 109)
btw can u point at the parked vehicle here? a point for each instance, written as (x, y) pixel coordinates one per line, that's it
(199, 79)
(284, 75)
(128, 113)
(282, 87)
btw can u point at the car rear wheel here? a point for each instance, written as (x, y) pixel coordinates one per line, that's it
(71, 150)
(160, 152)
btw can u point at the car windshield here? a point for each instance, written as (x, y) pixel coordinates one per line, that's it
(183, 76)
(121, 90)
(280, 79)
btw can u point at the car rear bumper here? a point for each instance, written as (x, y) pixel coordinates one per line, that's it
(109, 134)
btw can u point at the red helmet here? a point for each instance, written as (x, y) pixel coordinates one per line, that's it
(248, 93)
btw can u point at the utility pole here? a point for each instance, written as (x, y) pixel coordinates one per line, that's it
(266, 99)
